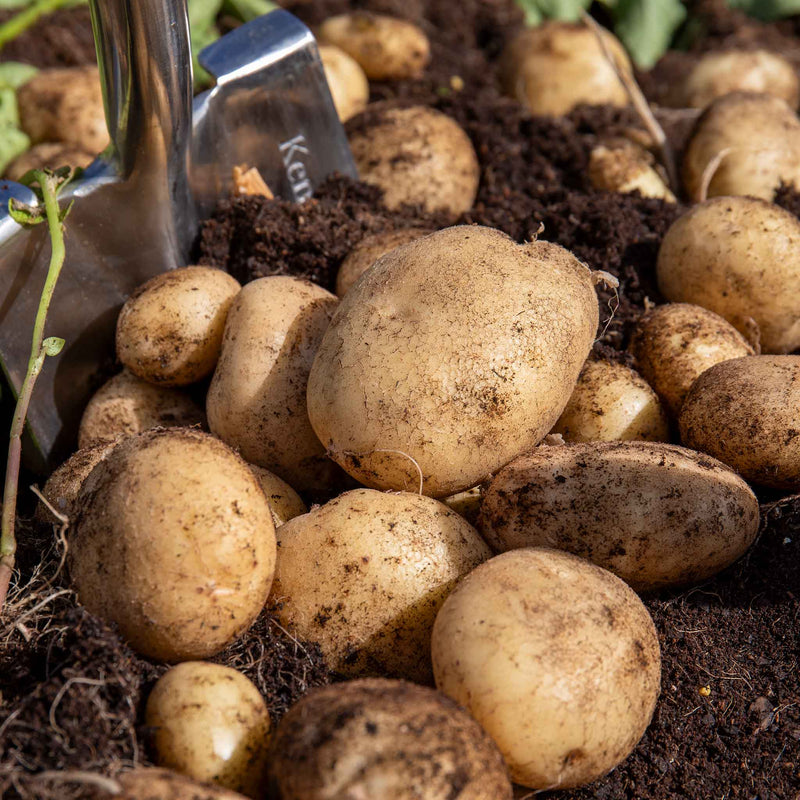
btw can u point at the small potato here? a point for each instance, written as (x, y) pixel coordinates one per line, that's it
(656, 515)
(346, 80)
(284, 502)
(556, 658)
(169, 331)
(384, 740)
(674, 343)
(467, 504)
(51, 155)
(388, 49)
(153, 783)
(622, 166)
(211, 723)
(745, 413)
(417, 156)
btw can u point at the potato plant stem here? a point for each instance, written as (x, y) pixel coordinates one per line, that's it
(26, 18)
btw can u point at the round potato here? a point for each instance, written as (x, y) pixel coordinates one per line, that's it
(364, 575)
(623, 166)
(654, 514)
(467, 503)
(556, 658)
(385, 740)
(284, 502)
(154, 783)
(51, 155)
(346, 80)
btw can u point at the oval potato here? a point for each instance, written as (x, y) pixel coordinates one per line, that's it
(346, 80)
(155, 783)
(284, 502)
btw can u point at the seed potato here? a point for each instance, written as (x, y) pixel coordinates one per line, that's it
(284, 502)
(346, 80)
(48, 154)
(154, 783)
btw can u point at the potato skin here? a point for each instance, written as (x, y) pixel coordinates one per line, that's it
(284, 502)
(154, 783)
(623, 166)
(346, 80)
(386, 740)
(51, 155)
(458, 350)
(744, 412)
(654, 514)
(578, 702)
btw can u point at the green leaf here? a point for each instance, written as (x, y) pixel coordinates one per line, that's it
(53, 345)
(25, 215)
(246, 10)
(15, 3)
(767, 10)
(537, 10)
(646, 27)
(13, 74)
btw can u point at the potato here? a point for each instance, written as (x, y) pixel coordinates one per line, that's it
(744, 412)
(449, 357)
(755, 138)
(152, 783)
(257, 398)
(386, 48)
(416, 155)
(612, 403)
(738, 257)
(346, 80)
(170, 329)
(174, 542)
(622, 166)
(210, 722)
(284, 502)
(384, 740)
(654, 514)
(364, 575)
(467, 503)
(553, 67)
(556, 658)
(48, 154)
(126, 405)
(674, 343)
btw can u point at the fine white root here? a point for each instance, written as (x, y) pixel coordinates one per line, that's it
(108, 785)
(710, 171)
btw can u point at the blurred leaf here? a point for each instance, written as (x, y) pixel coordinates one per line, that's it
(13, 74)
(537, 10)
(245, 10)
(767, 10)
(15, 3)
(646, 27)
(13, 142)
(53, 345)
(202, 22)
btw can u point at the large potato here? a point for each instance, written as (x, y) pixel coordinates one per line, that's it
(654, 514)
(556, 658)
(346, 80)
(451, 355)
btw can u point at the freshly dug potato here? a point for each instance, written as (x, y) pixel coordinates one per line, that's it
(384, 740)
(467, 504)
(416, 155)
(170, 329)
(126, 405)
(738, 257)
(623, 166)
(654, 514)
(284, 502)
(364, 575)
(755, 138)
(745, 412)
(674, 343)
(211, 723)
(51, 155)
(346, 80)
(153, 783)
(451, 356)
(385, 47)
(174, 542)
(612, 403)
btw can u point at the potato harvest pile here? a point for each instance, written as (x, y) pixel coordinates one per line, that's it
(475, 479)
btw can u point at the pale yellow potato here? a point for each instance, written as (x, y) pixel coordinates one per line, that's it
(284, 502)
(417, 155)
(385, 47)
(451, 356)
(210, 723)
(364, 575)
(257, 398)
(654, 514)
(623, 166)
(384, 740)
(675, 343)
(51, 155)
(556, 658)
(174, 542)
(347, 82)
(154, 783)
(744, 412)
(738, 257)
(467, 503)
(612, 403)
(169, 331)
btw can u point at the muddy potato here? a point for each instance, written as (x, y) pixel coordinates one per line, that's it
(583, 694)
(623, 166)
(466, 503)
(384, 740)
(284, 502)
(346, 80)
(154, 783)
(51, 155)
(174, 542)
(364, 575)
(654, 514)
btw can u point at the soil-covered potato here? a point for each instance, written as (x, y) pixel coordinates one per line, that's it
(417, 155)
(745, 413)
(346, 80)
(738, 257)
(154, 783)
(654, 514)
(174, 542)
(284, 502)
(556, 658)
(466, 503)
(449, 357)
(364, 575)
(169, 331)
(621, 165)
(51, 155)
(384, 740)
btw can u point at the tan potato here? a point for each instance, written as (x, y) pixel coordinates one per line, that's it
(211, 723)
(738, 257)
(174, 542)
(51, 155)
(384, 740)
(417, 156)
(364, 575)
(744, 412)
(674, 343)
(451, 356)
(126, 405)
(654, 514)
(386, 48)
(153, 783)
(623, 166)
(169, 331)
(556, 658)
(346, 80)
(284, 502)
(612, 403)
(467, 503)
